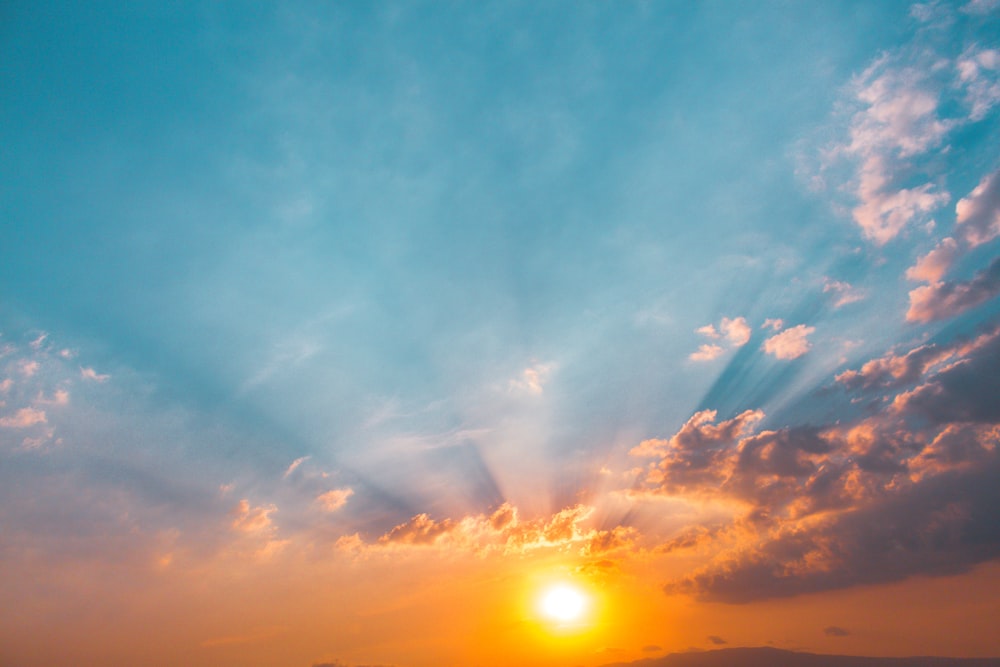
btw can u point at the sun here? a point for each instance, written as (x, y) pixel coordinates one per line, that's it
(563, 603)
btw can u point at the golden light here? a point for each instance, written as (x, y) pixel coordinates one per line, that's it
(563, 603)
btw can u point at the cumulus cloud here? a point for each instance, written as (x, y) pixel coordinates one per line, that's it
(978, 214)
(333, 500)
(735, 332)
(843, 293)
(697, 454)
(791, 343)
(947, 299)
(964, 391)
(898, 119)
(774, 324)
(908, 489)
(934, 265)
(706, 352)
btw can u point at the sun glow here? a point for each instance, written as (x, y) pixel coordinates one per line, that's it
(563, 603)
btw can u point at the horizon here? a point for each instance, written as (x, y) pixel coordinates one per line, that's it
(413, 333)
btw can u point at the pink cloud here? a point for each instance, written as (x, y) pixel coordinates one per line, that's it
(978, 214)
(706, 352)
(791, 343)
(944, 300)
(736, 330)
(935, 264)
(24, 418)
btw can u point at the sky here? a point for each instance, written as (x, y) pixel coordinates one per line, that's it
(339, 333)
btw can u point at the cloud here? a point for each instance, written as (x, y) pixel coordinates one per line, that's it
(533, 378)
(249, 519)
(965, 391)
(907, 489)
(934, 265)
(944, 300)
(978, 214)
(652, 648)
(706, 352)
(735, 331)
(835, 631)
(774, 324)
(294, 466)
(791, 343)
(24, 418)
(88, 373)
(893, 371)
(897, 120)
(717, 640)
(843, 292)
(977, 71)
(27, 367)
(333, 500)
(709, 331)
(697, 453)
(502, 531)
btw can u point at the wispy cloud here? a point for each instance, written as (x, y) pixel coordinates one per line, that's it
(334, 499)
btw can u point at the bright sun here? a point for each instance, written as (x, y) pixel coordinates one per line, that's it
(563, 603)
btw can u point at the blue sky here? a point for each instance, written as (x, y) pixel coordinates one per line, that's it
(439, 257)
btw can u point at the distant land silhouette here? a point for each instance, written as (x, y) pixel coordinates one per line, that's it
(773, 657)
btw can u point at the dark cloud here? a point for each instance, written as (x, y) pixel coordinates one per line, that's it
(651, 648)
(835, 631)
(909, 490)
(943, 300)
(963, 392)
(717, 640)
(944, 525)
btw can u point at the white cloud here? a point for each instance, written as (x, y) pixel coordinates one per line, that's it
(791, 343)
